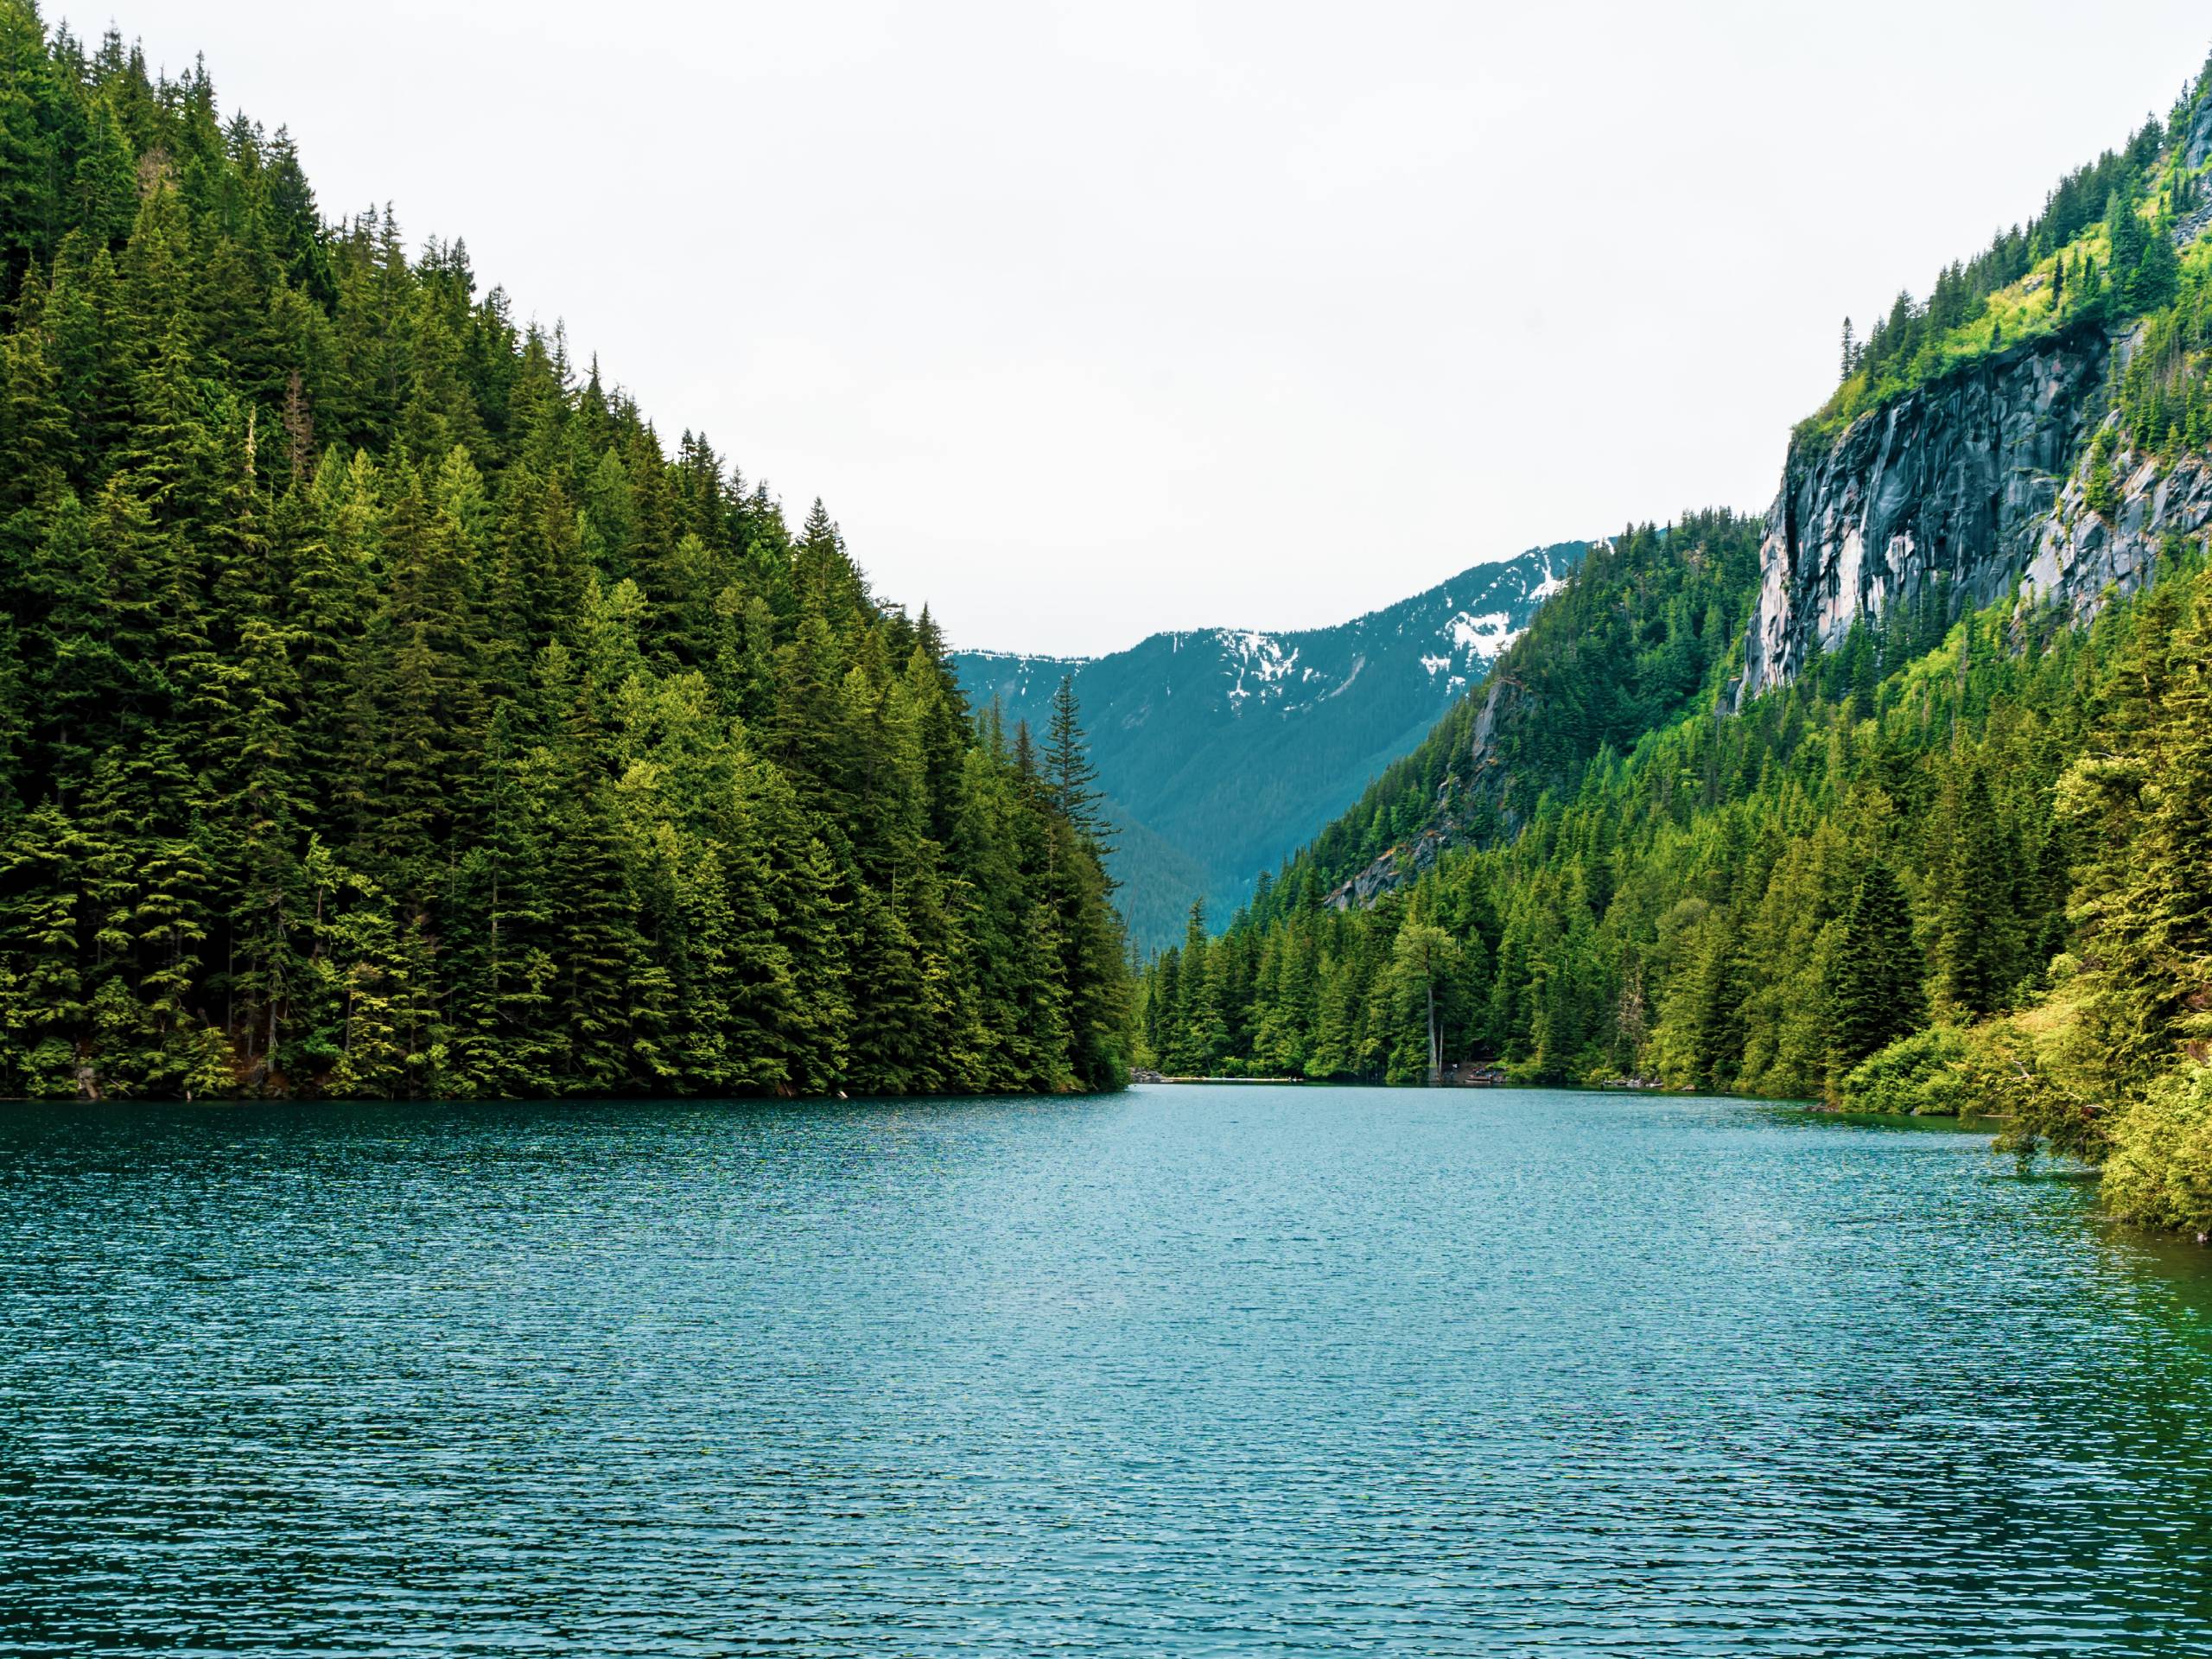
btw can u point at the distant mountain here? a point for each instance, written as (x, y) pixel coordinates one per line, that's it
(1222, 752)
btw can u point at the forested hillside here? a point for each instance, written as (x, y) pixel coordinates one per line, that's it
(1628, 643)
(386, 710)
(1946, 849)
(1225, 750)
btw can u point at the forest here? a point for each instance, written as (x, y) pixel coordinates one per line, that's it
(386, 710)
(1962, 863)
(2102, 250)
(1974, 882)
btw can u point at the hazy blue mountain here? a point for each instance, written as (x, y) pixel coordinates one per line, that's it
(1224, 751)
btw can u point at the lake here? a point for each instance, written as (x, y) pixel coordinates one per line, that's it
(1228, 1370)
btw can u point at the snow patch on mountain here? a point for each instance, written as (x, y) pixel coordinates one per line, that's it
(1232, 746)
(1250, 654)
(1487, 635)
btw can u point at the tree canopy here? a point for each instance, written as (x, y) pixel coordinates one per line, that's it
(386, 708)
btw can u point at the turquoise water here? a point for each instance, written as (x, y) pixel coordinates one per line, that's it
(1188, 1371)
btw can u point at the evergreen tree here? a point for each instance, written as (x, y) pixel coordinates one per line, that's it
(1423, 957)
(1974, 955)
(383, 711)
(1069, 771)
(1874, 980)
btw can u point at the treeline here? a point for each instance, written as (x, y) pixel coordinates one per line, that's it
(2101, 250)
(1685, 909)
(384, 709)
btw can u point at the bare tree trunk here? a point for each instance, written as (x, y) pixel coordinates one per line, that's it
(1435, 1048)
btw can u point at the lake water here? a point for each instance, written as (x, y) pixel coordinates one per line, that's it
(1188, 1372)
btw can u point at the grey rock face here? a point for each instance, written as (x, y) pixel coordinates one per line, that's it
(1955, 477)
(1394, 869)
(1504, 697)
(2200, 135)
(2080, 556)
(1979, 477)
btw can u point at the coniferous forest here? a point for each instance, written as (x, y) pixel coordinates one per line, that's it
(1961, 862)
(1967, 877)
(387, 709)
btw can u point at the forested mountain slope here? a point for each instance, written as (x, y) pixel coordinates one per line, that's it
(1222, 751)
(1915, 817)
(386, 710)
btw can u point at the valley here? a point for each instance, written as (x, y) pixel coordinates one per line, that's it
(1222, 751)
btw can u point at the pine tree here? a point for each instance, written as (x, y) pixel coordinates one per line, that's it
(1423, 957)
(1974, 967)
(1068, 771)
(1874, 992)
(382, 710)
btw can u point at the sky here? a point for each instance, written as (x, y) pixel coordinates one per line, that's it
(1090, 321)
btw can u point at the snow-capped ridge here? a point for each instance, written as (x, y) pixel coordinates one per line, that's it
(1224, 749)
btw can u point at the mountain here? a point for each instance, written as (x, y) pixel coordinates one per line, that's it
(1895, 796)
(1953, 467)
(1222, 751)
(1968, 484)
(385, 711)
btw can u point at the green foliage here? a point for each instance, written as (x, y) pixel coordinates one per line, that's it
(385, 711)
(1874, 983)
(2101, 490)
(1919, 1076)
(1424, 959)
(2102, 252)
(2140, 802)
(2160, 1169)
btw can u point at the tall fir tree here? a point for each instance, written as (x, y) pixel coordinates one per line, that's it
(1874, 991)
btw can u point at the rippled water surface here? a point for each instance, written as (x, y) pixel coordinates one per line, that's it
(1189, 1371)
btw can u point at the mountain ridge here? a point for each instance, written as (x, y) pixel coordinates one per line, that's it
(1894, 796)
(1269, 732)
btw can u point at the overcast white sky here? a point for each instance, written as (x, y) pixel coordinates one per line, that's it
(1090, 320)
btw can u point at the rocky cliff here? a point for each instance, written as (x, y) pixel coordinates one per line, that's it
(2012, 472)
(1979, 478)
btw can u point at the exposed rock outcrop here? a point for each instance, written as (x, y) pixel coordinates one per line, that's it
(2199, 143)
(1406, 861)
(1956, 478)
(2080, 556)
(1394, 869)
(1978, 478)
